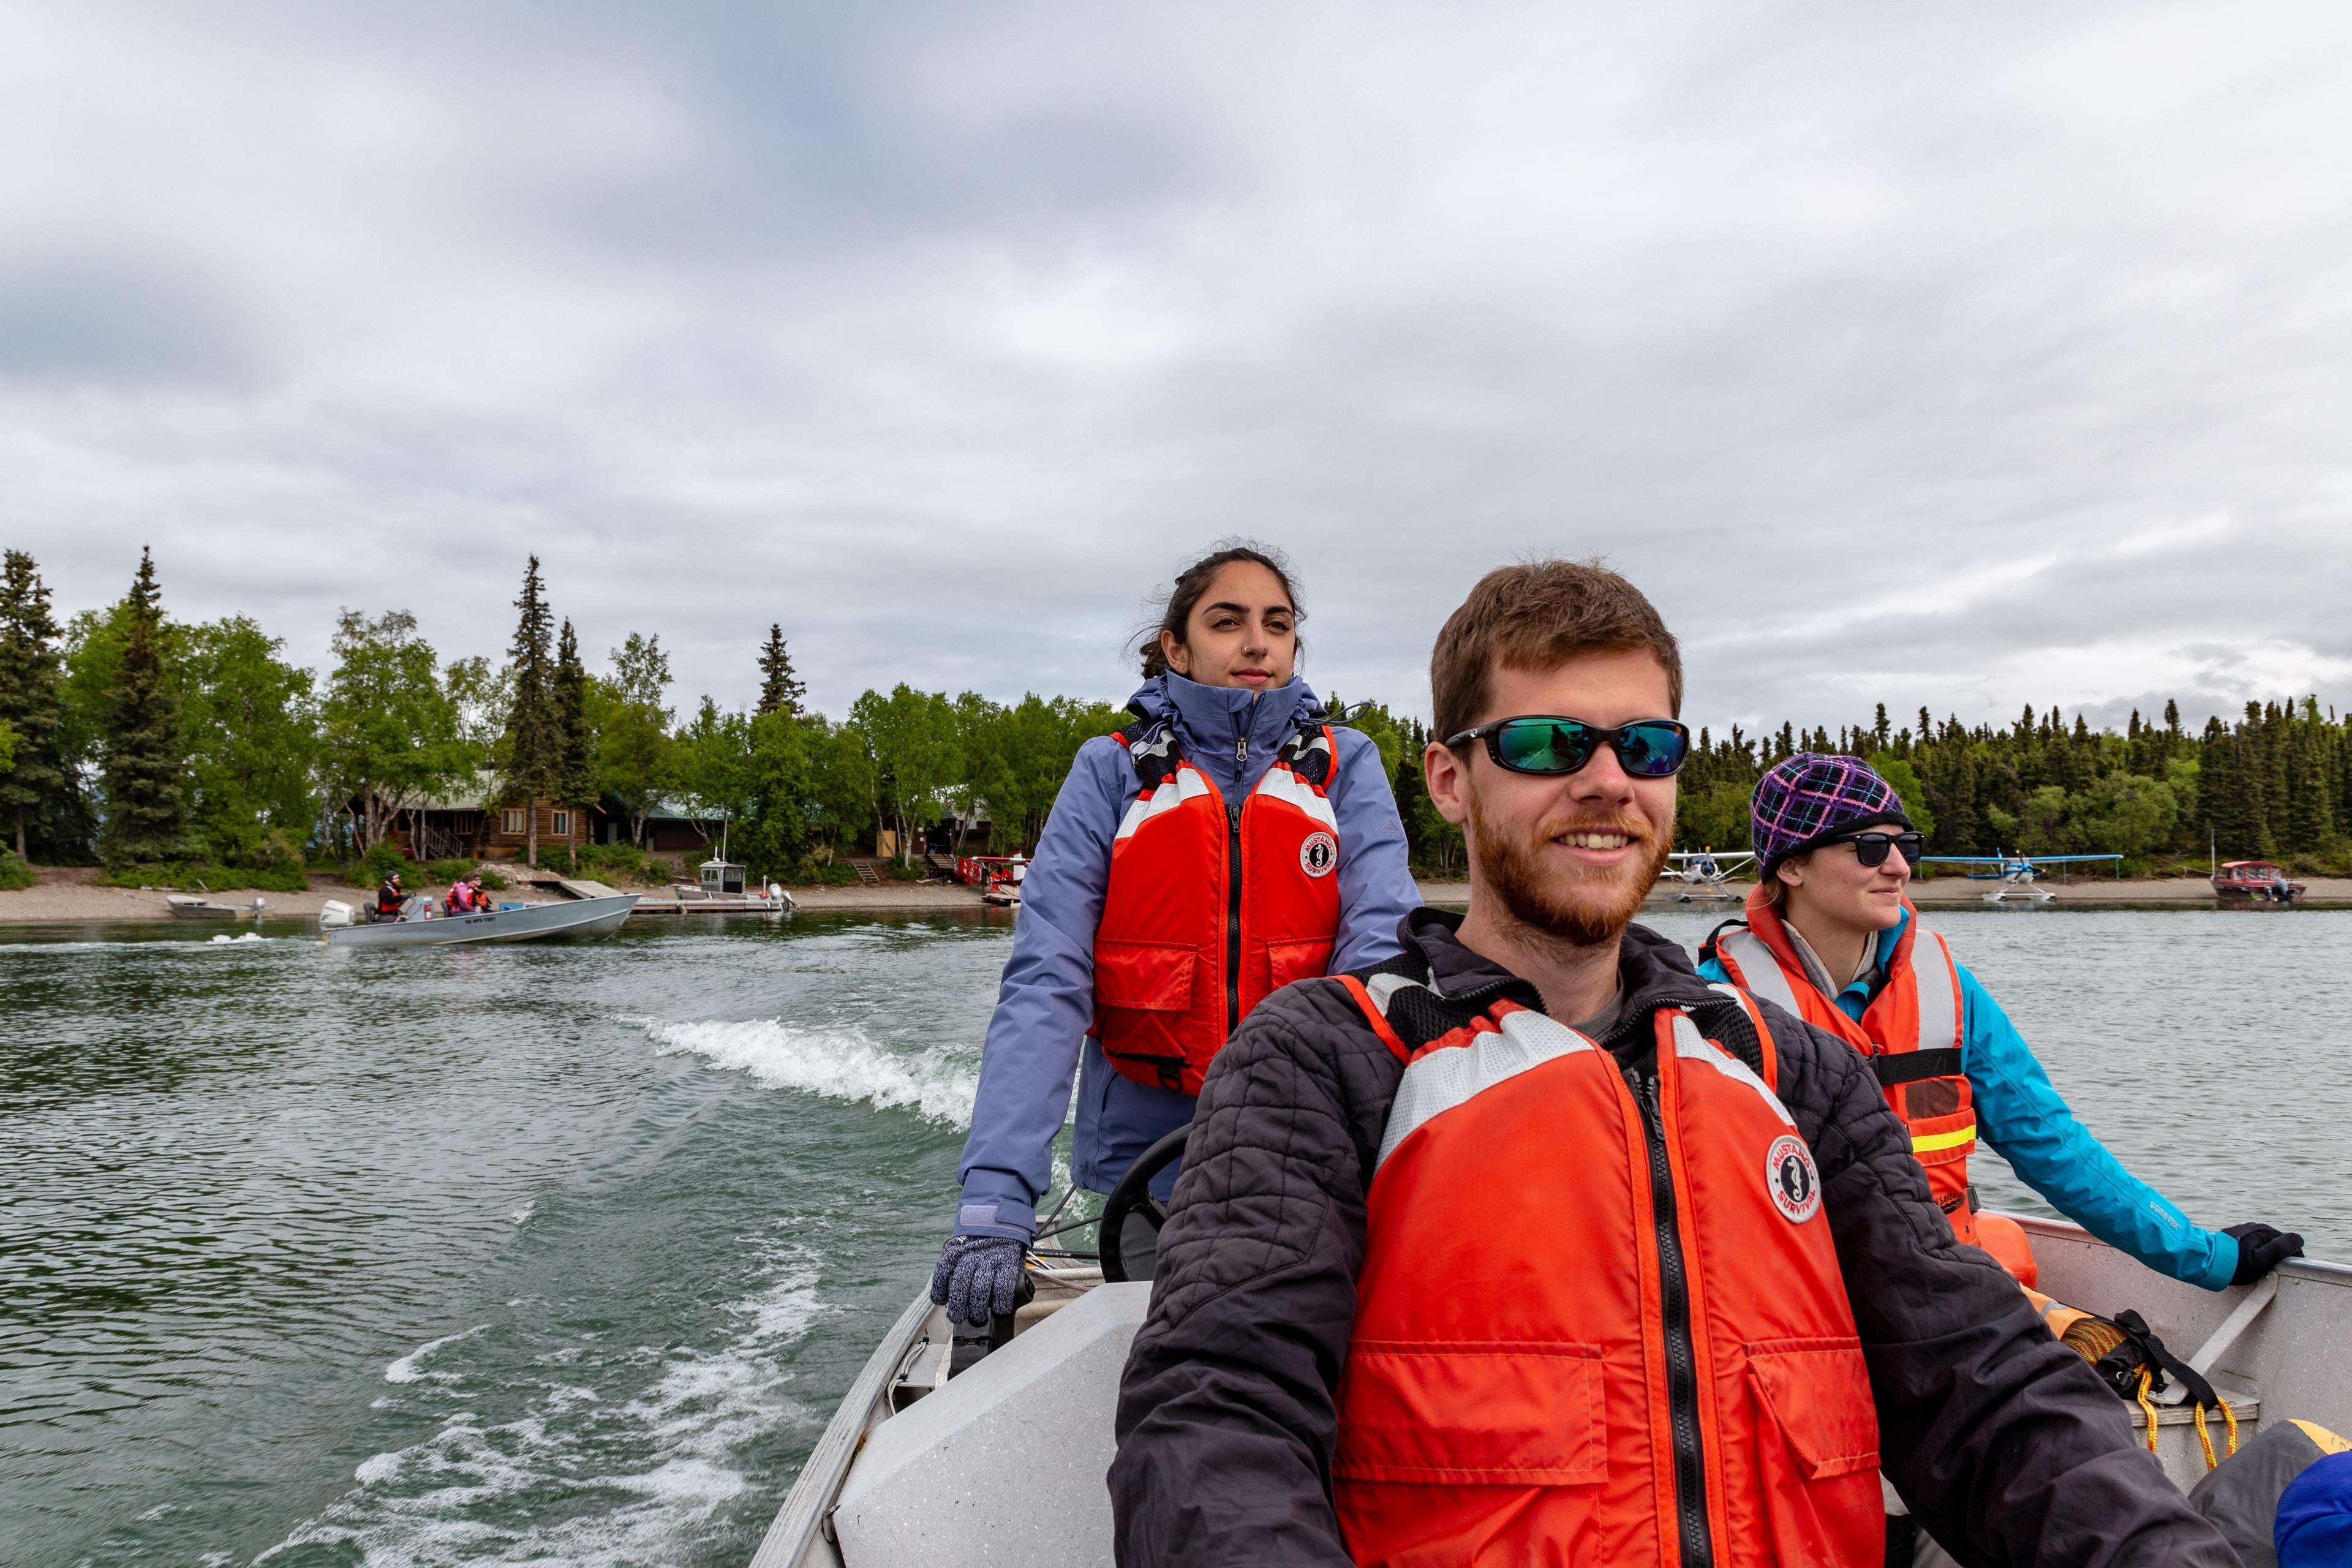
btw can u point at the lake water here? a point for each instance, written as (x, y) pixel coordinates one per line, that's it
(563, 1255)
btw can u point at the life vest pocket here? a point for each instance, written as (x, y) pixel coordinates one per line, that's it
(1482, 1413)
(1147, 976)
(1817, 1452)
(1306, 959)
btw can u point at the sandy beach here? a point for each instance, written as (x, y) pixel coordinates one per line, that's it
(71, 896)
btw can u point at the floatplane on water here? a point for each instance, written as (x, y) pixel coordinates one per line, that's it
(2015, 873)
(1706, 873)
(946, 1453)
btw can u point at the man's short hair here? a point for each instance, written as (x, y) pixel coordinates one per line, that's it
(1538, 616)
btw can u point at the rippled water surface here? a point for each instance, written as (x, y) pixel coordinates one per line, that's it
(563, 1255)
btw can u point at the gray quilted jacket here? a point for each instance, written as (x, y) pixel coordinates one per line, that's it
(2000, 1440)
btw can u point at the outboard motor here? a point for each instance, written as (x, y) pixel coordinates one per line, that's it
(334, 914)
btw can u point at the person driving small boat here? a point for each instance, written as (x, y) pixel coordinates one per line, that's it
(1229, 841)
(1834, 849)
(1449, 1281)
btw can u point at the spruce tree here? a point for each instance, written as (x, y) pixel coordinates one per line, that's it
(36, 787)
(575, 774)
(533, 743)
(146, 759)
(781, 690)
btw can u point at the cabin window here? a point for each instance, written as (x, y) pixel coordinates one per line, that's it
(510, 822)
(562, 824)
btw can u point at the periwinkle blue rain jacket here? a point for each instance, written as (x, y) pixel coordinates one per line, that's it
(1045, 1006)
(2021, 1114)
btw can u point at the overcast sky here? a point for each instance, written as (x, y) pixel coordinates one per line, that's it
(1958, 355)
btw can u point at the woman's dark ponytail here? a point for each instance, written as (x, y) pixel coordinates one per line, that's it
(1193, 582)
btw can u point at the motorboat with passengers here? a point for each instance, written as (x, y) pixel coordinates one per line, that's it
(911, 1470)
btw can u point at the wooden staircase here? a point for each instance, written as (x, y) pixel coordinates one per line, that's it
(867, 874)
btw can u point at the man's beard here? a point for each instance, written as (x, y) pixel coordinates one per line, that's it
(1585, 908)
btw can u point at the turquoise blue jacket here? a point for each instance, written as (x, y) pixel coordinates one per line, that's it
(2021, 1116)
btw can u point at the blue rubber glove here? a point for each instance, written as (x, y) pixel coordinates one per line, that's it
(976, 1277)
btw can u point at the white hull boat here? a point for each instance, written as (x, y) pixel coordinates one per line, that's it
(913, 1470)
(188, 907)
(587, 917)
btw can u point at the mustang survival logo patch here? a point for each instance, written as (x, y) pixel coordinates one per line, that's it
(1796, 1185)
(1320, 855)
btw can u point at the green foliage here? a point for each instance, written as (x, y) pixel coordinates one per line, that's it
(781, 690)
(144, 777)
(8, 748)
(206, 876)
(575, 783)
(379, 862)
(14, 873)
(637, 760)
(1897, 773)
(812, 874)
(1714, 818)
(389, 728)
(531, 751)
(253, 737)
(910, 739)
(39, 804)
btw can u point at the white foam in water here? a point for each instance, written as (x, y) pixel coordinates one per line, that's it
(421, 1505)
(410, 1369)
(838, 1064)
(248, 936)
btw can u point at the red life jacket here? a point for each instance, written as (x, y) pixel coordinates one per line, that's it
(1596, 1326)
(1210, 908)
(1910, 1031)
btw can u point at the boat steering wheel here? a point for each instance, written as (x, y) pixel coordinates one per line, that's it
(1130, 1220)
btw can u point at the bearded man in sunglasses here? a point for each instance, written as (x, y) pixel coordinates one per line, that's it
(1530, 1245)
(1831, 935)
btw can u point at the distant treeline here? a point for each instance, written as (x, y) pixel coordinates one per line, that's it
(131, 738)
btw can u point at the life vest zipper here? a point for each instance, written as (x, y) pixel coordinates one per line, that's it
(1682, 1360)
(1232, 919)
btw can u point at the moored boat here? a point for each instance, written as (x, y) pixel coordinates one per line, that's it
(188, 907)
(525, 923)
(1006, 1462)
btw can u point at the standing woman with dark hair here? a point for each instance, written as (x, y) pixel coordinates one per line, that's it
(1228, 841)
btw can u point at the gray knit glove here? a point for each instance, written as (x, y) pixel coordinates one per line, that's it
(976, 1276)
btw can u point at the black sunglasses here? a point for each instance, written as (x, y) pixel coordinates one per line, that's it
(1539, 743)
(1871, 847)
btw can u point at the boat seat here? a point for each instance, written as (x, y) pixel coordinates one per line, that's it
(933, 1486)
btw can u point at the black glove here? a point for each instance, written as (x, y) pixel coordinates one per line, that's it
(975, 1278)
(2260, 1249)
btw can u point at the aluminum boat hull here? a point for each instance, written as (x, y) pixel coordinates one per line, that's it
(2292, 1351)
(587, 917)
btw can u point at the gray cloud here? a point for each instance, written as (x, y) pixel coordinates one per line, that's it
(1965, 362)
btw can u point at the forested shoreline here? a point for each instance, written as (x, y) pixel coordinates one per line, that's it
(133, 741)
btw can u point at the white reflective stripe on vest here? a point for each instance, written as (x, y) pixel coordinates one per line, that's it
(1754, 967)
(1439, 1080)
(1175, 790)
(1284, 784)
(1939, 993)
(1690, 1046)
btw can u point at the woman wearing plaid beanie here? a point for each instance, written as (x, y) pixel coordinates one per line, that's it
(1830, 936)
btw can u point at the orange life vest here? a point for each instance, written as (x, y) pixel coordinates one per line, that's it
(1596, 1326)
(1911, 1031)
(1210, 908)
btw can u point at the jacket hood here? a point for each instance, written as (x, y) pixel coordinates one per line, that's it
(1213, 722)
(1652, 971)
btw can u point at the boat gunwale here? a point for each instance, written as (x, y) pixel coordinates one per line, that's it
(2316, 1269)
(822, 1474)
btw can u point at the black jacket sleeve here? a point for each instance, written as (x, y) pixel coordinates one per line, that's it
(2000, 1440)
(1225, 1413)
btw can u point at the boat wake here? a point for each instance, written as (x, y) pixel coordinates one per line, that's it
(836, 1064)
(619, 1455)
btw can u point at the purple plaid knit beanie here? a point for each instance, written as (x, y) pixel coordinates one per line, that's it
(1808, 797)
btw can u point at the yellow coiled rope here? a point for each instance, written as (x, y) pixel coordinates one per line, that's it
(2092, 1337)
